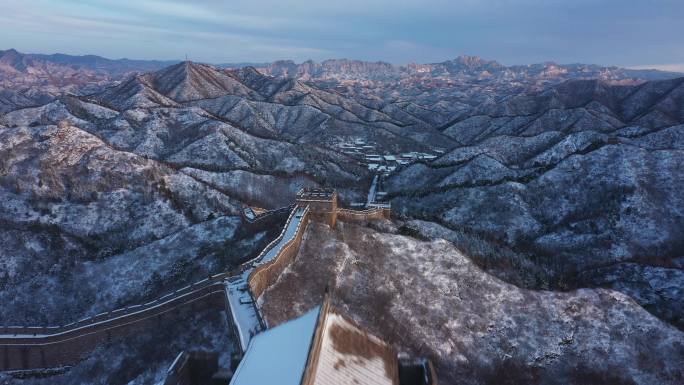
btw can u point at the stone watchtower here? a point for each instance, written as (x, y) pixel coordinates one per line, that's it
(322, 203)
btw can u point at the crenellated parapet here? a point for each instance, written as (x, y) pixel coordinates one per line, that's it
(322, 203)
(265, 275)
(374, 214)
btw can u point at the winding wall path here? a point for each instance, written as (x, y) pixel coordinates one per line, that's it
(35, 347)
(245, 316)
(28, 347)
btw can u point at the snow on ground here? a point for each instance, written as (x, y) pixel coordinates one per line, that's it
(349, 355)
(125, 275)
(144, 358)
(243, 311)
(371, 192)
(67, 289)
(427, 298)
(278, 356)
(240, 300)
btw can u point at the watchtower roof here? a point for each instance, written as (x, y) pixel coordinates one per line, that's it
(320, 194)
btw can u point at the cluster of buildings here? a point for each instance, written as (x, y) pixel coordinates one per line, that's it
(368, 155)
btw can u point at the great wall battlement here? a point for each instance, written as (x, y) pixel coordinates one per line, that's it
(266, 274)
(245, 316)
(265, 215)
(373, 214)
(322, 202)
(37, 347)
(24, 348)
(30, 347)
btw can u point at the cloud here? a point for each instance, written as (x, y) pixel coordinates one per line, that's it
(671, 67)
(620, 32)
(202, 13)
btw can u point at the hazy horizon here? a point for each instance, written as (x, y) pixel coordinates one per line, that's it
(666, 68)
(627, 33)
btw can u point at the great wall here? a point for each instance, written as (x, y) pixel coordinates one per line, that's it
(236, 292)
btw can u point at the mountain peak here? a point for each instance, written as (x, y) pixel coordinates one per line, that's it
(475, 62)
(469, 59)
(14, 59)
(187, 81)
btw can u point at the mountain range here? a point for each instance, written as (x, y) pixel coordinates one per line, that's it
(356, 70)
(120, 179)
(30, 79)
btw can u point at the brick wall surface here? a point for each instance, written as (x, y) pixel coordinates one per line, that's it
(265, 275)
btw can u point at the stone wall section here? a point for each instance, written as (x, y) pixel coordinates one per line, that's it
(27, 347)
(373, 214)
(24, 348)
(267, 274)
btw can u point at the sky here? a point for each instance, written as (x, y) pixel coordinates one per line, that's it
(628, 33)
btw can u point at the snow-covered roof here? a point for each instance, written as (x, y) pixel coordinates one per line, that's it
(316, 193)
(249, 213)
(278, 355)
(349, 355)
(322, 347)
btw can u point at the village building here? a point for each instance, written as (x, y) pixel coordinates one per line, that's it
(374, 158)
